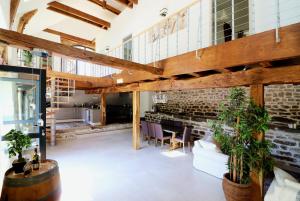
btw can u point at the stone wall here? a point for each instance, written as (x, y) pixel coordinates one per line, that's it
(286, 145)
(283, 103)
(200, 103)
(194, 107)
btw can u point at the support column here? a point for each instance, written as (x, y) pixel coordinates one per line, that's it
(257, 95)
(103, 110)
(136, 120)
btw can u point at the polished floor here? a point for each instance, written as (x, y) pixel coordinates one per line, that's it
(106, 168)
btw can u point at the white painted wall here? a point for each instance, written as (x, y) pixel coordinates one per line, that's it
(4, 14)
(146, 102)
(136, 20)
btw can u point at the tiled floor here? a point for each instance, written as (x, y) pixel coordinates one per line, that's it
(106, 168)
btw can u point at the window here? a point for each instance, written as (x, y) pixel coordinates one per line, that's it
(231, 20)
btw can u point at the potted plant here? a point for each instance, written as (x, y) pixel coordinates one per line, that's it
(235, 129)
(27, 55)
(17, 142)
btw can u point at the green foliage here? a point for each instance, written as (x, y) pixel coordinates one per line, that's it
(246, 153)
(27, 57)
(17, 142)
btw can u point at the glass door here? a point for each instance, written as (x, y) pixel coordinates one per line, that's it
(20, 108)
(20, 104)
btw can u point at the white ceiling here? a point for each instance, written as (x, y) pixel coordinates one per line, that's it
(45, 18)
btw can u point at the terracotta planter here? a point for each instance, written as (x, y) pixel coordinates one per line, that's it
(236, 192)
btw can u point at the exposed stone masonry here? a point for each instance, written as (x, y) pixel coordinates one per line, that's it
(283, 103)
(194, 107)
(200, 103)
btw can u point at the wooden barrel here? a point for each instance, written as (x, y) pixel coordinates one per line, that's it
(40, 185)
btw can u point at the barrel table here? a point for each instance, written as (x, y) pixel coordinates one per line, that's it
(40, 185)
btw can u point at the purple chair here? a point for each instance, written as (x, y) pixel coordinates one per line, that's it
(151, 131)
(160, 135)
(145, 130)
(184, 138)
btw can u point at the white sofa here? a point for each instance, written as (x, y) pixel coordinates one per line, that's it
(209, 159)
(284, 187)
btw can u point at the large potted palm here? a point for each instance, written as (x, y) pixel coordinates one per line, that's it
(238, 123)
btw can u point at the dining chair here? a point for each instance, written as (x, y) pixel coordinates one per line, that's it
(184, 138)
(145, 130)
(161, 135)
(152, 133)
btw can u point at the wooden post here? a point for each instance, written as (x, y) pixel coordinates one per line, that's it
(257, 95)
(103, 110)
(136, 120)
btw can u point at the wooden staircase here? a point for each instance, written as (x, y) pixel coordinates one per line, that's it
(61, 90)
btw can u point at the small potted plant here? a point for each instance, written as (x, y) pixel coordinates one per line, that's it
(246, 153)
(27, 55)
(17, 142)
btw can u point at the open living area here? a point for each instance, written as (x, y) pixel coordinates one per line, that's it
(170, 100)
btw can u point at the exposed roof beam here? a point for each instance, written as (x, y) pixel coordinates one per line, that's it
(23, 40)
(265, 64)
(105, 5)
(14, 4)
(25, 19)
(224, 70)
(77, 14)
(80, 41)
(73, 43)
(242, 78)
(195, 74)
(128, 3)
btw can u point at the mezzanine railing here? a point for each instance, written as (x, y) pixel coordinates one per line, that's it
(205, 23)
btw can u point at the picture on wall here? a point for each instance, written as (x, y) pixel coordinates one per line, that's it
(168, 26)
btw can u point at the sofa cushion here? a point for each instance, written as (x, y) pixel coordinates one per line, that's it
(282, 175)
(207, 145)
(292, 184)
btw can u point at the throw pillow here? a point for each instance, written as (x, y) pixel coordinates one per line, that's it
(281, 175)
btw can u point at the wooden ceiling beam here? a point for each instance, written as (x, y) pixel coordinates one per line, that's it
(224, 70)
(25, 19)
(128, 3)
(265, 76)
(106, 6)
(195, 74)
(78, 40)
(77, 14)
(22, 40)
(14, 4)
